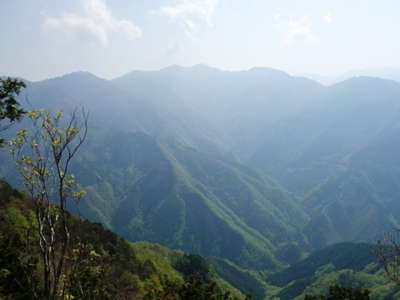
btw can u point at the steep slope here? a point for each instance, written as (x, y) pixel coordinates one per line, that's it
(164, 192)
(306, 149)
(145, 106)
(238, 106)
(361, 202)
(290, 127)
(164, 146)
(124, 270)
(345, 264)
(186, 196)
(244, 280)
(218, 112)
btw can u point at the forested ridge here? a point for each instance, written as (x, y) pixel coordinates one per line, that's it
(264, 174)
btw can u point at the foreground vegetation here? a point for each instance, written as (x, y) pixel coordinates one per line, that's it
(100, 265)
(345, 265)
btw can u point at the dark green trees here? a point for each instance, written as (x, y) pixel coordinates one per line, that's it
(387, 251)
(337, 292)
(9, 106)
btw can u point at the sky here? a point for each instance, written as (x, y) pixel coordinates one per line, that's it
(47, 38)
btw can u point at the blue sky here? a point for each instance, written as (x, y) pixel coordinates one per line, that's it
(46, 38)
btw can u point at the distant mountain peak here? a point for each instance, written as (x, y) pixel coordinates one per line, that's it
(367, 81)
(79, 76)
(172, 68)
(268, 71)
(204, 68)
(197, 67)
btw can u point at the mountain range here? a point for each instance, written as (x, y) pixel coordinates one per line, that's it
(389, 73)
(257, 167)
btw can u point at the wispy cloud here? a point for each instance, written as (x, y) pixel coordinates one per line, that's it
(295, 30)
(328, 19)
(96, 23)
(192, 14)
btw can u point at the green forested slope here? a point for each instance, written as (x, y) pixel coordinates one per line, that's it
(174, 156)
(168, 193)
(309, 147)
(361, 202)
(127, 270)
(345, 264)
(155, 170)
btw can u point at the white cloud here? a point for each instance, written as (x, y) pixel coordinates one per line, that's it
(192, 14)
(96, 23)
(328, 19)
(295, 30)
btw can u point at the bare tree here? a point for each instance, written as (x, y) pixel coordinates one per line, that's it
(44, 159)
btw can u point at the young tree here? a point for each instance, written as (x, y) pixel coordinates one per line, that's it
(9, 106)
(44, 159)
(387, 250)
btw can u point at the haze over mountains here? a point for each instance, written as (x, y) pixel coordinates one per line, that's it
(257, 167)
(390, 73)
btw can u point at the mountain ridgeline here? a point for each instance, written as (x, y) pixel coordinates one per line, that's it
(257, 167)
